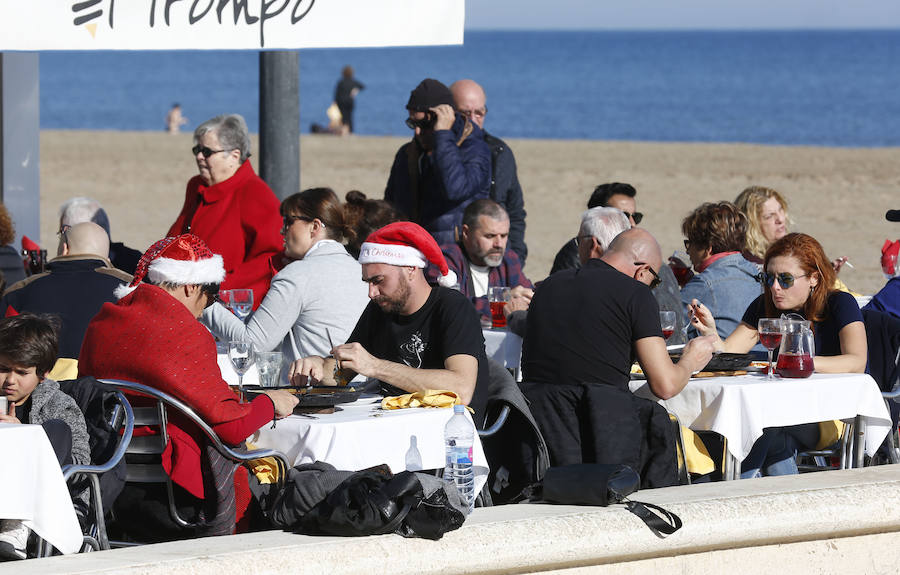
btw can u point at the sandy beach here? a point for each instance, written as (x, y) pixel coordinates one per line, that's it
(838, 195)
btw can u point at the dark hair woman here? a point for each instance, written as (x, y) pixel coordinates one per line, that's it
(365, 216)
(317, 294)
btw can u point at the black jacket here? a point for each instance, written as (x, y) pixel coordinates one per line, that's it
(506, 191)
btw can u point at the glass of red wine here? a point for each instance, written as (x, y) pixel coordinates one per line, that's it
(769, 330)
(667, 322)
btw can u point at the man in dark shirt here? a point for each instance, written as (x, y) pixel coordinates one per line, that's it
(411, 337)
(471, 101)
(584, 328)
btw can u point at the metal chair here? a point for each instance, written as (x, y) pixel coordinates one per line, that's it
(153, 445)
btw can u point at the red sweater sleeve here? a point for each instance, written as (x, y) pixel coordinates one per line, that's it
(262, 411)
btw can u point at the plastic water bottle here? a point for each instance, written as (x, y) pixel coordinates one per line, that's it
(459, 435)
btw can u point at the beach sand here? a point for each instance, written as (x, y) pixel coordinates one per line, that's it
(838, 195)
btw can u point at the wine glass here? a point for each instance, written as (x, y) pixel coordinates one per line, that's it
(242, 357)
(769, 330)
(240, 302)
(667, 322)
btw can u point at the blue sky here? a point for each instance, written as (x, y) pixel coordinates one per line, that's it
(681, 14)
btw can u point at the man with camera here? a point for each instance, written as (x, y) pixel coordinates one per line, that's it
(445, 167)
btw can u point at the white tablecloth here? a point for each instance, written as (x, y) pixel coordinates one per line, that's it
(361, 436)
(740, 407)
(503, 346)
(33, 486)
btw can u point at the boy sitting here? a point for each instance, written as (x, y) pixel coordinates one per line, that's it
(28, 349)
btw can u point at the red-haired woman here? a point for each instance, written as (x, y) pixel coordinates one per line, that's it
(798, 279)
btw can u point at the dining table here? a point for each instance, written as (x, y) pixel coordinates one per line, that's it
(740, 407)
(360, 435)
(504, 347)
(36, 492)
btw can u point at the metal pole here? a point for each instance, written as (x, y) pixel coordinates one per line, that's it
(279, 121)
(20, 141)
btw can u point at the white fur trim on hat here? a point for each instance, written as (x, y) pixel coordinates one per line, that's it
(123, 290)
(449, 280)
(392, 254)
(187, 272)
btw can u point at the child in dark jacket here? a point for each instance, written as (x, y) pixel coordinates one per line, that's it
(28, 349)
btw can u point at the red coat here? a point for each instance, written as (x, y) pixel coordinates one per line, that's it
(239, 220)
(150, 337)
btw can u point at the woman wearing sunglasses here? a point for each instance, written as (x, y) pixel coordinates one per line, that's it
(319, 294)
(229, 207)
(798, 278)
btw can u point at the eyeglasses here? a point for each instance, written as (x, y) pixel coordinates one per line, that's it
(785, 279)
(656, 279)
(212, 294)
(579, 238)
(207, 152)
(479, 113)
(636, 216)
(63, 229)
(288, 221)
(687, 244)
(425, 123)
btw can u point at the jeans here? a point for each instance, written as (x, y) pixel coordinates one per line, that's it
(775, 452)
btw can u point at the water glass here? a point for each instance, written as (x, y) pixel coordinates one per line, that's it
(498, 296)
(242, 357)
(239, 301)
(268, 365)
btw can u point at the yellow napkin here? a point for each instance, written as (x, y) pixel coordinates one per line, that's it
(265, 469)
(64, 368)
(427, 398)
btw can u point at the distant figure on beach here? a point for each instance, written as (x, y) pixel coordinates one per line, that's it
(335, 125)
(471, 101)
(444, 168)
(345, 96)
(229, 207)
(174, 119)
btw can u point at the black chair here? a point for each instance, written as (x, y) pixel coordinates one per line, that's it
(151, 447)
(883, 333)
(110, 422)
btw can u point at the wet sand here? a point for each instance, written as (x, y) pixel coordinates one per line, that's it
(838, 195)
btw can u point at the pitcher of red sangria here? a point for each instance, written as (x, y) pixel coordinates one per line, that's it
(795, 355)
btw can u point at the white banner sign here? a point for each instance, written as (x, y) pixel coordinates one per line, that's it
(227, 24)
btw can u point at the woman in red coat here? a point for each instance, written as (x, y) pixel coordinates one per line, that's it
(229, 207)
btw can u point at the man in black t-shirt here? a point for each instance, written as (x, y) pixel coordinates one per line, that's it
(584, 329)
(411, 337)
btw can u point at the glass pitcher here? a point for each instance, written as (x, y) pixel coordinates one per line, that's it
(795, 355)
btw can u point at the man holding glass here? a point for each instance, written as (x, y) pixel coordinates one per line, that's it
(584, 329)
(152, 336)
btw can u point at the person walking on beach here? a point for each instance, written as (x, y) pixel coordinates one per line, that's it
(445, 167)
(471, 102)
(174, 119)
(345, 96)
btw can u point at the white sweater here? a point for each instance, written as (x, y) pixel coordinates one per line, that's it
(323, 290)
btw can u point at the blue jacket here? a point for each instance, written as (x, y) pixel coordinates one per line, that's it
(726, 287)
(506, 191)
(434, 189)
(888, 299)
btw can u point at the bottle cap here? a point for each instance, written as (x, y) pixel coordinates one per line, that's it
(459, 408)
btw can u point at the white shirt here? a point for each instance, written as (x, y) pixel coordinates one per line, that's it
(479, 279)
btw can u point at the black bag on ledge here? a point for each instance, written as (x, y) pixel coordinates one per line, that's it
(603, 484)
(318, 500)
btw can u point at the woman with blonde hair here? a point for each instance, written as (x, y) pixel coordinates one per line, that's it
(767, 219)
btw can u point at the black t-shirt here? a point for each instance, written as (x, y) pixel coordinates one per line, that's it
(446, 325)
(840, 309)
(582, 324)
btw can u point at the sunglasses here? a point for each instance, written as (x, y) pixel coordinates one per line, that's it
(785, 279)
(656, 279)
(425, 123)
(212, 295)
(636, 216)
(288, 221)
(207, 152)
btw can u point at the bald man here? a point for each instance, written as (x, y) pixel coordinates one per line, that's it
(470, 100)
(76, 284)
(584, 328)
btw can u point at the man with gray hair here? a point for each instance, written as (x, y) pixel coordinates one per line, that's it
(599, 226)
(76, 284)
(79, 210)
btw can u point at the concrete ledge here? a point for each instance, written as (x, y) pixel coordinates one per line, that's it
(836, 521)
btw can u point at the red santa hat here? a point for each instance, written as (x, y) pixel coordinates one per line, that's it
(405, 244)
(179, 260)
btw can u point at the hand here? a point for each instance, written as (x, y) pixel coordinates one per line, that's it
(522, 292)
(445, 117)
(516, 304)
(697, 353)
(10, 416)
(839, 263)
(701, 318)
(307, 368)
(284, 402)
(354, 357)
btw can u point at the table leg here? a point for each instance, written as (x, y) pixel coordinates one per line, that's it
(731, 466)
(859, 441)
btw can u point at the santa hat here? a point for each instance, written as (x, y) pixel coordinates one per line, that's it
(405, 244)
(179, 260)
(890, 257)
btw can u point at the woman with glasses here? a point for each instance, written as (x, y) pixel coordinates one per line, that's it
(229, 207)
(724, 281)
(320, 294)
(799, 279)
